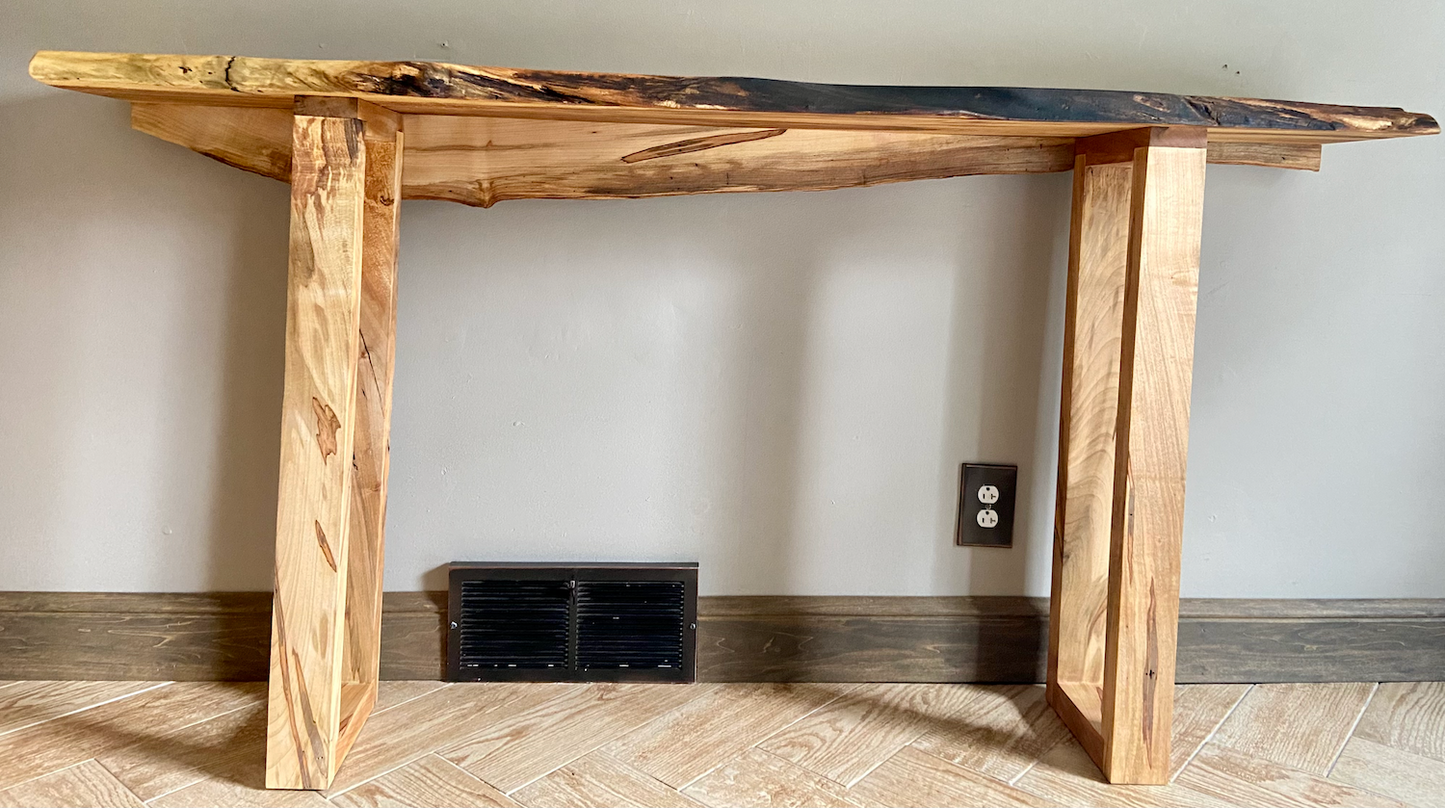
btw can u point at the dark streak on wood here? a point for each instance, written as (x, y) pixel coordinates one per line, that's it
(698, 144)
(261, 82)
(1151, 660)
(327, 425)
(458, 82)
(353, 140)
(287, 690)
(226, 636)
(308, 719)
(325, 546)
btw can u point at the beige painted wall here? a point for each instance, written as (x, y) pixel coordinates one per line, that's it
(779, 386)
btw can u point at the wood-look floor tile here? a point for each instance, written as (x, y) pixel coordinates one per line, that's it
(185, 744)
(231, 794)
(1067, 776)
(395, 737)
(428, 782)
(136, 720)
(1220, 771)
(85, 785)
(24, 704)
(759, 779)
(696, 738)
(1405, 715)
(597, 780)
(392, 694)
(513, 752)
(1302, 726)
(229, 746)
(1199, 711)
(1000, 733)
(849, 737)
(916, 779)
(1415, 779)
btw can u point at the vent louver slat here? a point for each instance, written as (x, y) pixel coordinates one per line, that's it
(630, 624)
(515, 624)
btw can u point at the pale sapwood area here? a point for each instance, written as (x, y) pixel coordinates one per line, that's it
(483, 160)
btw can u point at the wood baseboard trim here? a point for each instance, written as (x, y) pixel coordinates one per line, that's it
(226, 636)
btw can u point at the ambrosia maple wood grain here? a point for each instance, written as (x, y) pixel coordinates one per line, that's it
(479, 135)
(1089, 408)
(371, 452)
(1152, 442)
(481, 161)
(1128, 358)
(318, 412)
(448, 89)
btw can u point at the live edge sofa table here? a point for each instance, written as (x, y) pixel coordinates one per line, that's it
(355, 138)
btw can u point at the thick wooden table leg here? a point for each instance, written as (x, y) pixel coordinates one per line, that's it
(1123, 440)
(335, 413)
(372, 457)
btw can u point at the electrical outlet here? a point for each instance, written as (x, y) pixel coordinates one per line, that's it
(986, 505)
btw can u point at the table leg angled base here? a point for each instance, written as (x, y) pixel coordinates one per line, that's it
(336, 407)
(1123, 441)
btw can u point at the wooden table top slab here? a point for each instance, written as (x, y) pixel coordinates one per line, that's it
(417, 87)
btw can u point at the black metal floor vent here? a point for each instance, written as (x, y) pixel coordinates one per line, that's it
(572, 623)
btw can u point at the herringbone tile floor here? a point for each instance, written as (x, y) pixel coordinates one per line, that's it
(202, 744)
